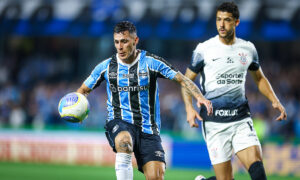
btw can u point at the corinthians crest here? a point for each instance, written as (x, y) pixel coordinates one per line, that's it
(243, 58)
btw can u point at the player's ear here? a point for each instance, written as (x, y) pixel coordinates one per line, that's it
(136, 40)
(237, 22)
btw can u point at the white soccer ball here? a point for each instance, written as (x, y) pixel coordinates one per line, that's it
(200, 177)
(74, 107)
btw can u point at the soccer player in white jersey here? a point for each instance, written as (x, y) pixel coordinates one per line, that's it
(223, 62)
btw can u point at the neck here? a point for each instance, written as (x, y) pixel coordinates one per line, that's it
(229, 40)
(131, 58)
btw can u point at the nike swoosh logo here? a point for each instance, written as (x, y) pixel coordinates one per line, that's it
(215, 59)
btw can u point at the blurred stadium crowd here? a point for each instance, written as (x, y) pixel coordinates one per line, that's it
(48, 48)
(185, 19)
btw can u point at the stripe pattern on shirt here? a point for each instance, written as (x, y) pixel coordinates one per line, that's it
(132, 89)
(113, 84)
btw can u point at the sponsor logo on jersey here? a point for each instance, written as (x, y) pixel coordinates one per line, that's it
(229, 60)
(227, 78)
(243, 58)
(128, 75)
(159, 154)
(128, 88)
(113, 75)
(230, 81)
(251, 135)
(226, 112)
(215, 59)
(116, 127)
(231, 76)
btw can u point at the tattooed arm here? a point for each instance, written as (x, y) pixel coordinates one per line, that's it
(189, 88)
(187, 98)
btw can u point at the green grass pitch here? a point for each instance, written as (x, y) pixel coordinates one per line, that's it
(31, 171)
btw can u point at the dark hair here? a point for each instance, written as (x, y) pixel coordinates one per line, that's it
(230, 7)
(124, 26)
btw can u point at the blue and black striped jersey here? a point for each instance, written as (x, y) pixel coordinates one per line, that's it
(132, 89)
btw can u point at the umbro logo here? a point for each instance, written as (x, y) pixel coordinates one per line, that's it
(116, 127)
(159, 154)
(113, 75)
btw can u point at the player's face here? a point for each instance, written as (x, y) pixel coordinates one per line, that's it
(125, 44)
(226, 24)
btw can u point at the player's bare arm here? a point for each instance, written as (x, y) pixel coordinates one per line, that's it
(191, 89)
(185, 95)
(266, 89)
(84, 90)
(191, 113)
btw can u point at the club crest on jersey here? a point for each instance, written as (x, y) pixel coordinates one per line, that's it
(143, 73)
(243, 58)
(128, 75)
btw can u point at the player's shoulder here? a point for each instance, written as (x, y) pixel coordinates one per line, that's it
(154, 60)
(103, 64)
(246, 43)
(207, 44)
(151, 56)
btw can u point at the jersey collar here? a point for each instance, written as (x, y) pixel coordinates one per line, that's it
(131, 64)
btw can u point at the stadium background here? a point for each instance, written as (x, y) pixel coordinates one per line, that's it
(48, 48)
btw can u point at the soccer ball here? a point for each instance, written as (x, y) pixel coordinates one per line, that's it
(74, 107)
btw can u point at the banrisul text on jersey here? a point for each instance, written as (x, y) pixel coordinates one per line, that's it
(132, 89)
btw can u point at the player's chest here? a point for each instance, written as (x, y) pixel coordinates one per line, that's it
(125, 75)
(238, 59)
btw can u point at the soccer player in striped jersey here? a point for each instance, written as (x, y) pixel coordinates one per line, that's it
(133, 122)
(223, 62)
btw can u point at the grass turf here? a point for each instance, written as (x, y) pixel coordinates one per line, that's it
(31, 171)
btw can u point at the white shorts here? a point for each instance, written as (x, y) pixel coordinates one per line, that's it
(224, 138)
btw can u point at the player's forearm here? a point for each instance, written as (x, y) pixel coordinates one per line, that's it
(190, 88)
(187, 98)
(266, 89)
(84, 90)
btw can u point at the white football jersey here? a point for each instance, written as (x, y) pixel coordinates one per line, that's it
(223, 70)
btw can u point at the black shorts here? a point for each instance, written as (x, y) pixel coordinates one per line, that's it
(146, 147)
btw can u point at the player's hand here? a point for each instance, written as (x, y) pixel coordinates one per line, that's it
(191, 116)
(283, 114)
(206, 103)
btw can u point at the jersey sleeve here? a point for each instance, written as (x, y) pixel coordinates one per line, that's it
(163, 68)
(97, 75)
(254, 66)
(197, 61)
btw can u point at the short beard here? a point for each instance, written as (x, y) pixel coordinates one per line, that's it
(228, 35)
